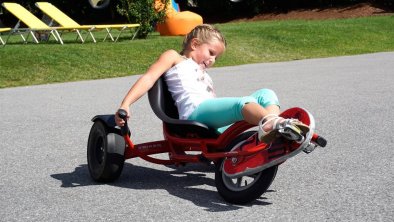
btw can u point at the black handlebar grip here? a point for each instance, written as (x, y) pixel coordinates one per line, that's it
(123, 115)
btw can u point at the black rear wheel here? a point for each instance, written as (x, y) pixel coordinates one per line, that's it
(105, 153)
(243, 189)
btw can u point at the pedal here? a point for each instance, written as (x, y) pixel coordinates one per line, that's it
(309, 148)
(317, 141)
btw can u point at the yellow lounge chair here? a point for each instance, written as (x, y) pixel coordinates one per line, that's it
(34, 24)
(1, 31)
(64, 20)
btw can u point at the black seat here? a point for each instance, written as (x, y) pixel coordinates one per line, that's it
(165, 109)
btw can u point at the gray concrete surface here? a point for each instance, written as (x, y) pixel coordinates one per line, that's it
(44, 131)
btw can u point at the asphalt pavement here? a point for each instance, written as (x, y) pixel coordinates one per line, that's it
(44, 131)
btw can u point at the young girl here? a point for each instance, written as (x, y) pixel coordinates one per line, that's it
(192, 89)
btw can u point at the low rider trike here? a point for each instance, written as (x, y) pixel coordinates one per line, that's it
(244, 167)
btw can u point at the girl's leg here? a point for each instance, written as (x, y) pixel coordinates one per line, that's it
(253, 112)
(266, 117)
(268, 104)
(262, 108)
(221, 112)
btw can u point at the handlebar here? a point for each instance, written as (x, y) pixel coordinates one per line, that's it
(123, 115)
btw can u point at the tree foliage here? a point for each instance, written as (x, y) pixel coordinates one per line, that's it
(142, 12)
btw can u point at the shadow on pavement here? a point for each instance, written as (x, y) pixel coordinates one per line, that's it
(182, 182)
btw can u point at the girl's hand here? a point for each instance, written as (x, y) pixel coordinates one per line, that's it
(119, 121)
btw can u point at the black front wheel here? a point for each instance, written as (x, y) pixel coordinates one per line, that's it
(105, 153)
(244, 189)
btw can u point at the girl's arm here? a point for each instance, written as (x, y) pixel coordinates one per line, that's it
(166, 60)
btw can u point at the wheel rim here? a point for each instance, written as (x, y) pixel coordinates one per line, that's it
(240, 183)
(99, 150)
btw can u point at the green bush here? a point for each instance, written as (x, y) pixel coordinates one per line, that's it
(142, 12)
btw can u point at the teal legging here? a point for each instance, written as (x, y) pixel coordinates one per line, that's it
(220, 113)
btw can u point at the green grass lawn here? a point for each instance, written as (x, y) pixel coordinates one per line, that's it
(248, 42)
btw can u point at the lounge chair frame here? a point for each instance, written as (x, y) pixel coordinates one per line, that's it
(2, 30)
(36, 26)
(64, 20)
(24, 33)
(78, 30)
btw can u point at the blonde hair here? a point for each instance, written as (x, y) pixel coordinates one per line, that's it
(204, 34)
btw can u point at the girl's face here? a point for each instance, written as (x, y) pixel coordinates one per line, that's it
(205, 54)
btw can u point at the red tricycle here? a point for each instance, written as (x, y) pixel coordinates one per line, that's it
(244, 167)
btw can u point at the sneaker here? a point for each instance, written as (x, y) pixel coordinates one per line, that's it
(291, 129)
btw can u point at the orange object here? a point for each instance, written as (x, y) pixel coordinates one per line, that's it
(177, 23)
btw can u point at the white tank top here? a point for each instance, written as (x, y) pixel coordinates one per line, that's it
(189, 86)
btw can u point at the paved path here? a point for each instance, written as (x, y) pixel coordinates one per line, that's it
(44, 131)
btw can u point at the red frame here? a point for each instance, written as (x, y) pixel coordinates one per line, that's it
(211, 149)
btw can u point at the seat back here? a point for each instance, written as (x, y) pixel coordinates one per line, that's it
(54, 13)
(165, 109)
(25, 16)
